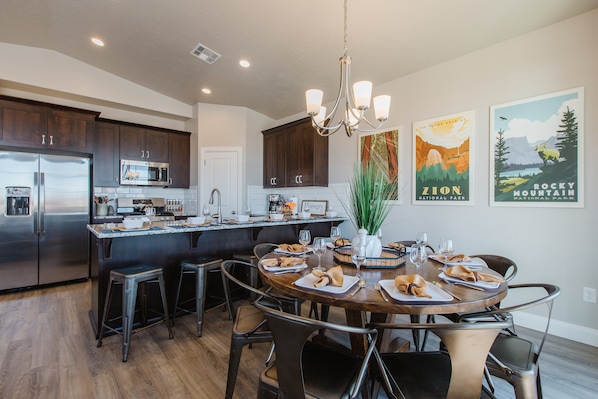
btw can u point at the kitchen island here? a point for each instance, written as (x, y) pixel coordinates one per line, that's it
(165, 244)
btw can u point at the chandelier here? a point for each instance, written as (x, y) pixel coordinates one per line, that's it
(357, 101)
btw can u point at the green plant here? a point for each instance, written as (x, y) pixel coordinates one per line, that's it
(369, 190)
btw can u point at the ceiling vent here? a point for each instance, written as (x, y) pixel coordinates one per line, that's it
(205, 54)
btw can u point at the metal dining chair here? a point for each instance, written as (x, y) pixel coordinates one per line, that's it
(304, 368)
(454, 374)
(514, 358)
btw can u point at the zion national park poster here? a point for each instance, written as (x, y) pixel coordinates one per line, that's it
(536, 151)
(443, 162)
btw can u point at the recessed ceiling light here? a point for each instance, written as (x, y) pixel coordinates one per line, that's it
(205, 90)
(97, 42)
(244, 63)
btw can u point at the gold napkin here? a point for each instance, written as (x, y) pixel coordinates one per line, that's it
(291, 247)
(341, 242)
(283, 261)
(412, 284)
(333, 276)
(466, 274)
(458, 258)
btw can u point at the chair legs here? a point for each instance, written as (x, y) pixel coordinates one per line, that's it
(236, 349)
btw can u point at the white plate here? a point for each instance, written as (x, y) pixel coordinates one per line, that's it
(487, 285)
(474, 263)
(309, 280)
(436, 293)
(296, 267)
(282, 251)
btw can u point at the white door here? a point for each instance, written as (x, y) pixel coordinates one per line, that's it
(221, 169)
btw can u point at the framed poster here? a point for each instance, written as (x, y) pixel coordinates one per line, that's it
(443, 162)
(536, 151)
(315, 207)
(382, 148)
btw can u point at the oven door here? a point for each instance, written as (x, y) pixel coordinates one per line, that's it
(141, 173)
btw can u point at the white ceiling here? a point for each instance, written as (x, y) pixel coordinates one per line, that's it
(292, 45)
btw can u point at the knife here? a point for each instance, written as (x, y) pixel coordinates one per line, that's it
(437, 284)
(379, 289)
(473, 287)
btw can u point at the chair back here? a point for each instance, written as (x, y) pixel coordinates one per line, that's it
(264, 248)
(500, 264)
(227, 274)
(291, 333)
(467, 344)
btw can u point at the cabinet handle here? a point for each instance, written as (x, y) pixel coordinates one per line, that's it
(51, 140)
(170, 180)
(300, 179)
(147, 156)
(43, 139)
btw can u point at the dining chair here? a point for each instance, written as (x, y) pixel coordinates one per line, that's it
(249, 324)
(514, 358)
(304, 368)
(452, 373)
(500, 264)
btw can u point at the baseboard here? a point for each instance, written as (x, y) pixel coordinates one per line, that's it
(585, 335)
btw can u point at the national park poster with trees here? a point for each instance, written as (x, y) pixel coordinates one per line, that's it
(443, 162)
(536, 151)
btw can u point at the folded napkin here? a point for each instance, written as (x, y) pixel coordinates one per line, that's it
(466, 274)
(341, 242)
(458, 258)
(333, 276)
(412, 284)
(291, 247)
(283, 261)
(395, 245)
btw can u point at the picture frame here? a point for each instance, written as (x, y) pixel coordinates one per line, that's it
(443, 160)
(383, 148)
(315, 207)
(536, 151)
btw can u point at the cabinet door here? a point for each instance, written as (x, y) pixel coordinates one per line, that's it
(70, 131)
(23, 125)
(156, 146)
(179, 160)
(106, 162)
(132, 143)
(275, 148)
(300, 156)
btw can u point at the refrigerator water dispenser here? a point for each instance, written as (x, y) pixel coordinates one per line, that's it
(17, 201)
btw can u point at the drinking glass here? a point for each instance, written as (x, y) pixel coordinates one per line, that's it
(206, 211)
(418, 256)
(304, 239)
(358, 257)
(422, 238)
(319, 249)
(446, 249)
(335, 234)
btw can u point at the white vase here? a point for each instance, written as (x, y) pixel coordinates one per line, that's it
(373, 245)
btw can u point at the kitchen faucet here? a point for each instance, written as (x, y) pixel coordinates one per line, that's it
(219, 203)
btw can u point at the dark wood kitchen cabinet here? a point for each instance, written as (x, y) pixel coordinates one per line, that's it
(295, 156)
(106, 162)
(32, 124)
(141, 144)
(179, 159)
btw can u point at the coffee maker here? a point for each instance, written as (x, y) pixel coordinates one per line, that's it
(275, 203)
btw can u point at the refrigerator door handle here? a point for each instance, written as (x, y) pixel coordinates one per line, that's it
(42, 203)
(35, 208)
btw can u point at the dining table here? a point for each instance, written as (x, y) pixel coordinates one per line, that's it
(359, 303)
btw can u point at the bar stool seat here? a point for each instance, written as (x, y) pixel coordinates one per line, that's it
(130, 278)
(200, 267)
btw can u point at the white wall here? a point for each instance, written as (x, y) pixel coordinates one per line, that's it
(549, 244)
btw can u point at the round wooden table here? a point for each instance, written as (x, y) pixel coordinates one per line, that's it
(368, 299)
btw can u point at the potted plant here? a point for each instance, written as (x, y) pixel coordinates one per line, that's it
(368, 205)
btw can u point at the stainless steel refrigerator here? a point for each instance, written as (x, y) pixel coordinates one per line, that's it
(44, 209)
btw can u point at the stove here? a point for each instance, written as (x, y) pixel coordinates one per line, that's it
(136, 207)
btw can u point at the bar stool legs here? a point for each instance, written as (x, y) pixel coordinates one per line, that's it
(130, 278)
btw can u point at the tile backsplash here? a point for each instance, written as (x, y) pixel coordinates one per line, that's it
(185, 198)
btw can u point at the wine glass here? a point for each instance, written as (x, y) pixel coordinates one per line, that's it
(319, 249)
(446, 249)
(304, 239)
(206, 211)
(418, 256)
(335, 234)
(422, 238)
(358, 257)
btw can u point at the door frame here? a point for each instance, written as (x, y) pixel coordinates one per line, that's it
(240, 169)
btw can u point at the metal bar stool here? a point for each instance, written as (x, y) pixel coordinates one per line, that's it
(130, 278)
(200, 267)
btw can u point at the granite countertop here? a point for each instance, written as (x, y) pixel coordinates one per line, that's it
(115, 230)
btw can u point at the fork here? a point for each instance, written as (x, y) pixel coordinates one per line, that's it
(379, 289)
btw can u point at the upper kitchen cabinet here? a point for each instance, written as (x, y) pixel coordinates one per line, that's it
(106, 162)
(137, 143)
(30, 124)
(295, 156)
(179, 159)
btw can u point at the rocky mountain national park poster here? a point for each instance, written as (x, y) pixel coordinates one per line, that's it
(536, 151)
(443, 163)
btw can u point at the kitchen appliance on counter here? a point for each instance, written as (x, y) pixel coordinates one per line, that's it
(140, 207)
(144, 173)
(275, 203)
(44, 207)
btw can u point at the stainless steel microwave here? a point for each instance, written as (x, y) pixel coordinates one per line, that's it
(143, 173)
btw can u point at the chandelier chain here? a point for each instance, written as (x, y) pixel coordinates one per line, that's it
(346, 48)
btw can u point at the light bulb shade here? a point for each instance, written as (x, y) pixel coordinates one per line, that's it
(313, 100)
(319, 118)
(362, 93)
(382, 107)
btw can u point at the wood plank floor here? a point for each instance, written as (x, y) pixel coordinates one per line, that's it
(47, 350)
